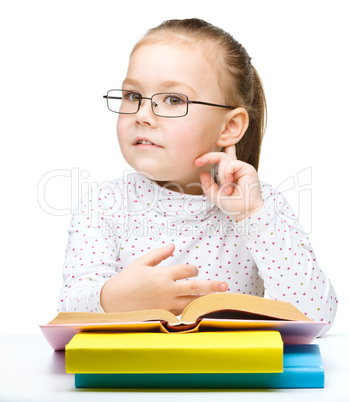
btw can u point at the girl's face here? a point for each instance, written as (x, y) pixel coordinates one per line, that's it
(185, 69)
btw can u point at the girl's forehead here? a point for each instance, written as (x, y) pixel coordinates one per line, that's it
(197, 50)
(174, 57)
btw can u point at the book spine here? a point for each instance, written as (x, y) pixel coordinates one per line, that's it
(288, 379)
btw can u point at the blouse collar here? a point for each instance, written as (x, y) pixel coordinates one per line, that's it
(149, 196)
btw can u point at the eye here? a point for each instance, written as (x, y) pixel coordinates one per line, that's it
(132, 96)
(174, 100)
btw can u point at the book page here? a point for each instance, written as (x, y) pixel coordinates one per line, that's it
(132, 316)
(266, 308)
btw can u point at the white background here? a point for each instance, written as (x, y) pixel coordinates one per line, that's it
(58, 58)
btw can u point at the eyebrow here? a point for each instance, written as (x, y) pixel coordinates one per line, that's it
(165, 84)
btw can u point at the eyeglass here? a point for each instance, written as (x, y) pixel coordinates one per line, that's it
(165, 104)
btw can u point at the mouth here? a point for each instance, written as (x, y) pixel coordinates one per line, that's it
(143, 143)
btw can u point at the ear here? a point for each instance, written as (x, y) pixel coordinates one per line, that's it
(236, 124)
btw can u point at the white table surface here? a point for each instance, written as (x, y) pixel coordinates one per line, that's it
(31, 371)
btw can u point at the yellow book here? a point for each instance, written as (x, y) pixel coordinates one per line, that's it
(198, 352)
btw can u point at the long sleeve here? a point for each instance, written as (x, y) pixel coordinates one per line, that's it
(286, 260)
(91, 254)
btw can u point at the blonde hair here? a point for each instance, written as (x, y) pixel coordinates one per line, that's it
(240, 82)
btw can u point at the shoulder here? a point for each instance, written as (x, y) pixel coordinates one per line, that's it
(267, 189)
(274, 199)
(270, 192)
(277, 204)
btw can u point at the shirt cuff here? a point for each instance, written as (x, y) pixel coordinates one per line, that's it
(98, 307)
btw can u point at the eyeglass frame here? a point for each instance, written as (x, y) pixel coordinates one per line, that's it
(162, 93)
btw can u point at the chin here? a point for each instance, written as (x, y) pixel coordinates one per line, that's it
(149, 170)
(151, 173)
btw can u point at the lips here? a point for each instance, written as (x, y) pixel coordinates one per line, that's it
(149, 142)
(145, 142)
(147, 146)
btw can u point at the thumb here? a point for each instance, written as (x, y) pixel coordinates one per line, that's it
(154, 257)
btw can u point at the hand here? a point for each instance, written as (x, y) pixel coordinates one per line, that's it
(143, 285)
(240, 193)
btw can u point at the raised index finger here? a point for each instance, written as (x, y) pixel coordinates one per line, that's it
(231, 151)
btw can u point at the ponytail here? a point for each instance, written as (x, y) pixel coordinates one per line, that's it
(249, 147)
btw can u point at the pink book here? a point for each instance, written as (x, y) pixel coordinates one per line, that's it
(292, 332)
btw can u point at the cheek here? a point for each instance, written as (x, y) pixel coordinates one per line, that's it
(184, 138)
(120, 127)
(122, 131)
(196, 137)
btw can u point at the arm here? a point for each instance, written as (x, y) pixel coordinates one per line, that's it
(282, 251)
(286, 260)
(91, 254)
(91, 282)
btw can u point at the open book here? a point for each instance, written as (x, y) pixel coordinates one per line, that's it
(216, 311)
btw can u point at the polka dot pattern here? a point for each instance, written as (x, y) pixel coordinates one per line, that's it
(118, 222)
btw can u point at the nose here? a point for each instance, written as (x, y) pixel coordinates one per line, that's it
(145, 113)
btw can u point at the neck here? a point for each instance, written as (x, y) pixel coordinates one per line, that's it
(194, 188)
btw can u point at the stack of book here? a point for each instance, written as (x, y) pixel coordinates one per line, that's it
(223, 341)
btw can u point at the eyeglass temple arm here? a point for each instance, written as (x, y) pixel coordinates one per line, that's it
(211, 104)
(111, 97)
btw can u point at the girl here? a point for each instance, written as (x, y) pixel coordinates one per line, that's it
(190, 122)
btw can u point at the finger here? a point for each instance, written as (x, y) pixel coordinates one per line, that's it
(210, 158)
(182, 271)
(209, 186)
(196, 287)
(154, 257)
(231, 151)
(226, 176)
